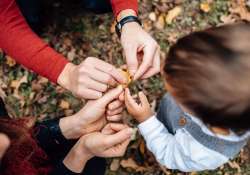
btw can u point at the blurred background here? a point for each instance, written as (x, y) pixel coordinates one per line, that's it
(77, 34)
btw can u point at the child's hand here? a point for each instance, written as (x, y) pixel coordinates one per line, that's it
(114, 111)
(140, 112)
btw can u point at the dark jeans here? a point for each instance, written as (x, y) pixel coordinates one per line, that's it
(32, 9)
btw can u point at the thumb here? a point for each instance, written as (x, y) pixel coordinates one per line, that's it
(110, 96)
(131, 59)
(118, 138)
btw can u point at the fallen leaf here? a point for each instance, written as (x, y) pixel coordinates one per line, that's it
(64, 104)
(172, 14)
(205, 7)
(15, 84)
(239, 8)
(133, 136)
(227, 19)
(152, 16)
(130, 163)
(160, 23)
(112, 27)
(71, 54)
(10, 61)
(115, 164)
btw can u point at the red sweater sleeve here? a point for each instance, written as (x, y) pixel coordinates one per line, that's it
(119, 5)
(21, 43)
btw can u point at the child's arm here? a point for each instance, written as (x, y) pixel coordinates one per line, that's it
(180, 151)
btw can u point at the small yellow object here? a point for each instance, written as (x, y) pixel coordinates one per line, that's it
(128, 77)
(205, 7)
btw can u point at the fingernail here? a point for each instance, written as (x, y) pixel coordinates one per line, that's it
(129, 131)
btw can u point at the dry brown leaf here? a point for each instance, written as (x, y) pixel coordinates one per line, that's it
(115, 164)
(15, 84)
(64, 104)
(205, 7)
(160, 23)
(172, 14)
(234, 165)
(142, 147)
(227, 19)
(239, 8)
(130, 163)
(10, 61)
(152, 16)
(112, 27)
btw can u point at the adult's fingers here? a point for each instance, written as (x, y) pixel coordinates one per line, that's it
(118, 150)
(156, 66)
(119, 137)
(131, 58)
(129, 101)
(149, 52)
(143, 99)
(110, 69)
(110, 96)
(102, 77)
(94, 85)
(115, 104)
(89, 94)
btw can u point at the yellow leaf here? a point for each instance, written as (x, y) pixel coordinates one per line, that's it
(172, 14)
(64, 104)
(128, 77)
(205, 7)
(160, 24)
(10, 61)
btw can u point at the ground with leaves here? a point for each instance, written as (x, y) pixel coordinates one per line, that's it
(78, 35)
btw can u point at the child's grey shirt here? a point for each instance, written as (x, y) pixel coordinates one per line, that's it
(181, 141)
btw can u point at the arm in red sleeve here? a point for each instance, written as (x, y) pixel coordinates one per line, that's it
(119, 5)
(21, 43)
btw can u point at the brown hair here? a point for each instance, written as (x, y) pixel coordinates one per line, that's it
(209, 73)
(24, 156)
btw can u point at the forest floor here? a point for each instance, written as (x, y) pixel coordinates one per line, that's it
(77, 34)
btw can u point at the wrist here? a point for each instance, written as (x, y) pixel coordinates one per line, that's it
(125, 13)
(71, 127)
(65, 76)
(144, 117)
(77, 158)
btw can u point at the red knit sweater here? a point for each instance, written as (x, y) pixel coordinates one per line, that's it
(21, 43)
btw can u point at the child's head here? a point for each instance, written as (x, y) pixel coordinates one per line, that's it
(208, 73)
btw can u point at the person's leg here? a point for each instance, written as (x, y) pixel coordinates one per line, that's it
(97, 6)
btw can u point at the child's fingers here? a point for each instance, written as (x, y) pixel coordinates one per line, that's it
(115, 104)
(129, 101)
(116, 111)
(143, 99)
(114, 118)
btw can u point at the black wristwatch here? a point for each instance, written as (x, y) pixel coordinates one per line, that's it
(120, 24)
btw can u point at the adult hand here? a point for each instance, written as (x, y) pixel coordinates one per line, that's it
(111, 142)
(91, 78)
(90, 118)
(141, 51)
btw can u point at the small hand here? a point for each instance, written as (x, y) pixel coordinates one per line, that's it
(114, 110)
(139, 46)
(140, 112)
(91, 78)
